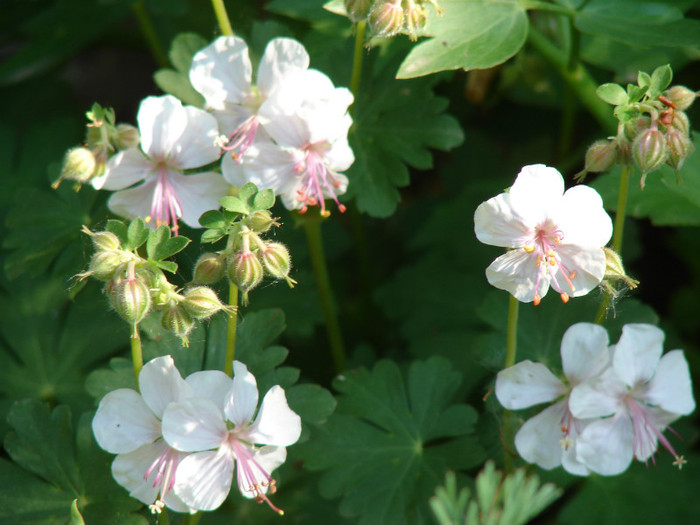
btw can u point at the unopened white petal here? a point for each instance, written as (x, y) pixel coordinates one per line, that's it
(276, 424)
(123, 422)
(526, 384)
(160, 383)
(671, 388)
(193, 424)
(638, 352)
(204, 479)
(584, 351)
(605, 446)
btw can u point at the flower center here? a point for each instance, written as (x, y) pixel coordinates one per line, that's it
(241, 139)
(647, 430)
(543, 246)
(251, 476)
(318, 181)
(165, 205)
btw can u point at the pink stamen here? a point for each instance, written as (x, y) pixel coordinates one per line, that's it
(165, 465)
(242, 137)
(318, 177)
(647, 429)
(544, 246)
(165, 205)
(247, 479)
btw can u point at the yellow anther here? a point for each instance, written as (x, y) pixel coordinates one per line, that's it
(536, 300)
(538, 261)
(529, 248)
(148, 219)
(552, 261)
(572, 274)
(550, 253)
(564, 297)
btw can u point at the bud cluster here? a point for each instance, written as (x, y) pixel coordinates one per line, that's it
(653, 130)
(387, 18)
(136, 287)
(247, 258)
(103, 138)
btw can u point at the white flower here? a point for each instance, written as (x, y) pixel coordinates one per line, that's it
(307, 123)
(555, 238)
(222, 435)
(173, 138)
(222, 72)
(129, 424)
(642, 393)
(549, 438)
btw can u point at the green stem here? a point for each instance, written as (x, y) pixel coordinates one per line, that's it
(618, 232)
(192, 519)
(357, 57)
(231, 331)
(136, 352)
(312, 227)
(545, 6)
(577, 77)
(511, 347)
(149, 33)
(222, 17)
(568, 116)
(164, 517)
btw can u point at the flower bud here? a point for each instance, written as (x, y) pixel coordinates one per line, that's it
(175, 319)
(679, 148)
(615, 271)
(681, 122)
(415, 18)
(357, 10)
(208, 269)
(79, 164)
(162, 290)
(201, 302)
(131, 299)
(649, 150)
(275, 258)
(126, 136)
(386, 18)
(635, 126)
(246, 272)
(105, 241)
(601, 155)
(104, 264)
(681, 96)
(261, 221)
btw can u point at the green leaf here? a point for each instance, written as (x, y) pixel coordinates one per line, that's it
(391, 440)
(313, 403)
(179, 85)
(469, 35)
(136, 235)
(161, 245)
(183, 48)
(212, 219)
(211, 236)
(234, 204)
(641, 24)
(663, 200)
(168, 266)
(119, 229)
(264, 200)
(643, 79)
(612, 94)
(660, 80)
(385, 137)
(102, 381)
(75, 517)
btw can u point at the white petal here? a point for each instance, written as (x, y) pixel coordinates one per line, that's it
(129, 471)
(264, 164)
(340, 156)
(282, 56)
(584, 352)
(276, 424)
(516, 272)
(268, 459)
(497, 224)
(242, 399)
(537, 190)
(598, 397)
(538, 440)
(204, 479)
(589, 264)
(605, 446)
(134, 202)
(160, 383)
(571, 464)
(287, 130)
(123, 422)
(222, 71)
(637, 353)
(193, 424)
(198, 193)
(124, 169)
(210, 384)
(162, 120)
(195, 147)
(526, 384)
(671, 388)
(582, 218)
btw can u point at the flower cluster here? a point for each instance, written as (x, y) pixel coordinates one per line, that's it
(654, 129)
(137, 286)
(179, 440)
(288, 132)
(555, 238)
(612, 405)
(387, 18)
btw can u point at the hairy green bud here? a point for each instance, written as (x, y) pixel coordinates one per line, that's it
(126, 136)
(209, 268)
(601, 156)
(357, 10)
(131, 299)
(649, 150)
(175, 319)
(681, 97)
(246, 272)
(386, 18)
(201, 302)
